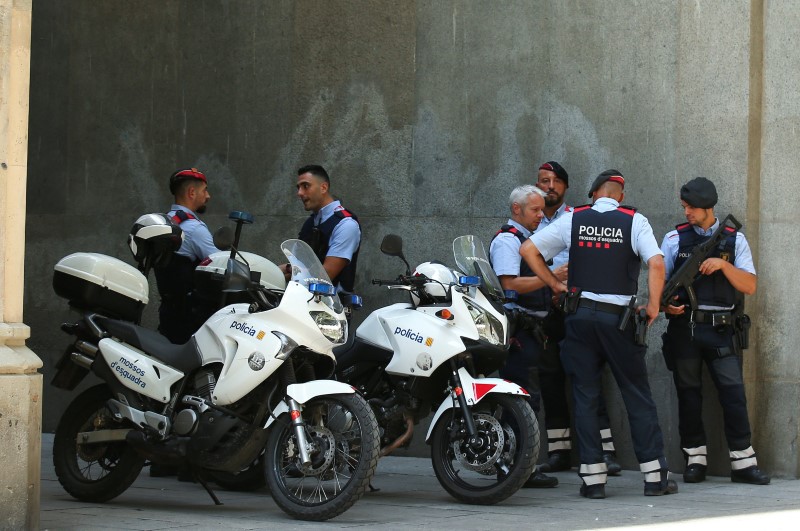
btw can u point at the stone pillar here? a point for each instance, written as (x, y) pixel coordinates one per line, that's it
(20, 382)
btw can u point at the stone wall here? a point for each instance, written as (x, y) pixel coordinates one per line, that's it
(426, 114)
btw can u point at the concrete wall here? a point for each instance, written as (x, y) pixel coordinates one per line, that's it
(426, 113)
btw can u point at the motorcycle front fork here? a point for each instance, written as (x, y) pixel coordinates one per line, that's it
(299, 431)
(466, 412)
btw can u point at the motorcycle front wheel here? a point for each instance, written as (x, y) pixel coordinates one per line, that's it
(93, 472)
(343, 442)
(499, 462)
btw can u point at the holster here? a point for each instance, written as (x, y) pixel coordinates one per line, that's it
(570, 300)
(532, 324)
(741, 328)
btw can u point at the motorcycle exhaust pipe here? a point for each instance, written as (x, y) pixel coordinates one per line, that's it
(81, 360)
(400, 441)
(173, 451)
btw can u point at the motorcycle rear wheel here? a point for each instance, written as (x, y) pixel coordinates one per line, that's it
(93, 472)
(470, 475)
(344, 434)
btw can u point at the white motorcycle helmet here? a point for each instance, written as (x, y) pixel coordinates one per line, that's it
(153, 239)
(441, 276)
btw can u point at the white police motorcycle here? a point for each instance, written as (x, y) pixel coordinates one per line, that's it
(409, 359)
(247, 382)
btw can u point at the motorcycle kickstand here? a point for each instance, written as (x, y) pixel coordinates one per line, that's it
(200, 479)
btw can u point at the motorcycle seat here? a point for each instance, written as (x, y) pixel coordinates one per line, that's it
(185, 358)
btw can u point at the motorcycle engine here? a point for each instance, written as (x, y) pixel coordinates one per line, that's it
(186, 420)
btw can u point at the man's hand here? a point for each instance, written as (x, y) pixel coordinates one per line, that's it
(286, 269)
(561, 272)
(673, 309)
(712, 265)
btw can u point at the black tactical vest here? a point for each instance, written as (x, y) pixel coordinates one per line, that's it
(713, 289)
(538, 300)
(601, 259)
(318, 238)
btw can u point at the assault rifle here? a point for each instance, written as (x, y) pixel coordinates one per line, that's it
(690, 270)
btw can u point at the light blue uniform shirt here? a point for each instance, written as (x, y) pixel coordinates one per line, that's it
(562, 257)
(346, 235)
(743, 258)
(558, 236)
(505, 258)
(197, 240)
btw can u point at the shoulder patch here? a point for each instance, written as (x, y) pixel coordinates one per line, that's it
(683, 227)
(627, 210)
(581, 208)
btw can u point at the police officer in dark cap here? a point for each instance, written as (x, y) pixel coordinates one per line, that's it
(706, 334)
(606, 243)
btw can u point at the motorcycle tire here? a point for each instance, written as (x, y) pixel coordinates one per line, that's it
(470, 475)
(345, 444)
(93, 472)
(249, 479)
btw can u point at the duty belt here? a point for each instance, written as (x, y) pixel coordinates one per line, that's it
(601, 306)
(715, 318)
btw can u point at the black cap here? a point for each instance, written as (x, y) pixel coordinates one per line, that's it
(608, 175)
(556, 168)
(699, 193)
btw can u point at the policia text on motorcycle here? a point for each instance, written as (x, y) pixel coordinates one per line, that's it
(714, 332)
(603, 276)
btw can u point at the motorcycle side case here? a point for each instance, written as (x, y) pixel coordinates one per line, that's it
(97, 282)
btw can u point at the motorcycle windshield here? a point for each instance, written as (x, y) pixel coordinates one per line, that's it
(307, 270)
(471, 260)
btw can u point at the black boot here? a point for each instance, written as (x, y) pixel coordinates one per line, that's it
(751, 475)
(539, 480)
(694, 473)
(557, 462)
(660, 488)
(593, 492)
(610, 459)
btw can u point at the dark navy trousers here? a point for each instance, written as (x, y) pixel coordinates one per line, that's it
(685, 355)
(592, 341)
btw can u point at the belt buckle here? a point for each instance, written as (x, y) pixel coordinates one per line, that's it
(721, 319)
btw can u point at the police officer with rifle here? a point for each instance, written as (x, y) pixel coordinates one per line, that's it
(710, 269)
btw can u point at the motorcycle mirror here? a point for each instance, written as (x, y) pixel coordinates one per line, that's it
(223, 238)
(392, 245)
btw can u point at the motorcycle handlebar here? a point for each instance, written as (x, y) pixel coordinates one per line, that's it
(415, 280)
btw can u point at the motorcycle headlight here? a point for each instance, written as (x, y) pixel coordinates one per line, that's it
(334, 330)
(489, 328)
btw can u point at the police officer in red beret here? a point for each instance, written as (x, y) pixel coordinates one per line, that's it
(607, 243)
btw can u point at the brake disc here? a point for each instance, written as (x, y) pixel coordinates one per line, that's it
(483, 459)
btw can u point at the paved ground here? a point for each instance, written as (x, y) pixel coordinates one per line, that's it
(410, 496)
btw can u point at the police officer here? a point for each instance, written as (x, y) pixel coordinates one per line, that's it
(693, 339)
(332, 231)
(177, 321)
(553, 179)
(526, 203)
(607, 243)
